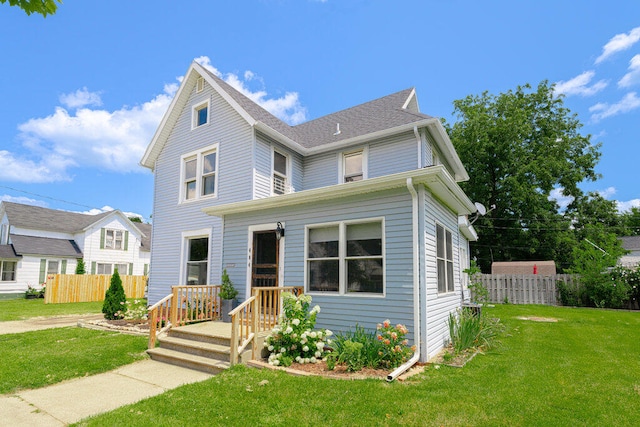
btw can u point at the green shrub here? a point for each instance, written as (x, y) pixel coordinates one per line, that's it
(352, 356)
(470, 330)
(115, 299)
(479, 293)
(371, 349)
(572, 296)
(80, 268)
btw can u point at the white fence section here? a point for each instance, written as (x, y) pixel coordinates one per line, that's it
(524, 288)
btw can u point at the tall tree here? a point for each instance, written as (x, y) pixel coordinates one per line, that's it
(43, 7)
(518, 147)
(631, 221)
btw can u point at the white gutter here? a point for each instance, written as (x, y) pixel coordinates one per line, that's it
(416, 286)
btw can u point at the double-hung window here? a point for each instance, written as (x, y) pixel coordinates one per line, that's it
(352, 166)
(114, 239)
(280, 173)
(197, 260)
(8, 271)
(199, 172)
(444, 257)
(346, 258)
(200, 115)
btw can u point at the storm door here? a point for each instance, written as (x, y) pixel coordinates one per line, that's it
(264, 266)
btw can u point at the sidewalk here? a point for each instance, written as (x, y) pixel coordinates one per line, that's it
(70, 401)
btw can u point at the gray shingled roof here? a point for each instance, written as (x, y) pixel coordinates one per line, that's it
(37, 218)
(146, 239)
(7, 252)
(370, 117)
(631, 243)
(24, 245)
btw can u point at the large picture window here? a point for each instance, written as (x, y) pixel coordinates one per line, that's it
(197, 260)
(444, 257)
(8, 271)
(199, 174)
(346, 258)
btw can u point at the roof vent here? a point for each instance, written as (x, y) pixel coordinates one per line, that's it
(337, 132)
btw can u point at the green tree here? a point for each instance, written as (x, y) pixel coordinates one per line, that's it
(43, 7)
(631, 221)
(114, 305)
(518, 147)
(135, 219)
(80, 268)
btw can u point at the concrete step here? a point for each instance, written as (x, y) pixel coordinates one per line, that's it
(191, 361)
(206, 337)
(198, 348)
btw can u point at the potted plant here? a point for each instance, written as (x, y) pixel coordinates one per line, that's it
(227, 296)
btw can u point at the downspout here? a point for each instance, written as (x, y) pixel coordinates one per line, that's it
(416, 285)
(417, 134)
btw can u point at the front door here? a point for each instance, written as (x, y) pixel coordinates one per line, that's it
(264, 265)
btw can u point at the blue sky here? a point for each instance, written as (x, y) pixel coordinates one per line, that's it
(82, 91)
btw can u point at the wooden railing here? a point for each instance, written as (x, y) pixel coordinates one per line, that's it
(185, 304)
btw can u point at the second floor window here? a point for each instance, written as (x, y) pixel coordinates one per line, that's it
(352, 164)
(199, 174)
(114, 239)
(280, 173)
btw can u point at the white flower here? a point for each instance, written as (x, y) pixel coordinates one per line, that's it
(305, 348)
(320, 345)
(304, 335)
(319, 334)
(315, 309)
(318, 353)
(307, 360)
(283, 350)
(312, 334)
(288, 330)
(276, 362)
(328, 333)
(313, 360)
(298, 358)
(270, 348)
(303, 341)
(296, 322)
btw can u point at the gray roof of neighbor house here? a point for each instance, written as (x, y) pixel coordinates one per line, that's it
(368, 118)
(30, 245)
(37, 218)
(631, 243)
(7, 252)
(146, 238)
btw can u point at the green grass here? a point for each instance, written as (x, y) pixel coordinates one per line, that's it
(582, 370)
(40, 358)
(20, 309)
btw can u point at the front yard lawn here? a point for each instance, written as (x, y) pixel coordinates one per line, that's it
(583, 369)
(20, 309)
(40, 358)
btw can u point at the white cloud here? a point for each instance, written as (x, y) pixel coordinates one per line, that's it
(562, 200)
(618, 43)
(602, 110)
(626, 206)
(22, 200)
(20, 169)
(607, 193)
(579, 85)
(633, 75)
(81, 98)
(287, 108)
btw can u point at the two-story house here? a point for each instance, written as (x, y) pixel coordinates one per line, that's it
(36, 242)
(362, 207)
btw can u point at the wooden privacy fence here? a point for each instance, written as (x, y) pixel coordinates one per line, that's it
(525, 288)
(63, 288)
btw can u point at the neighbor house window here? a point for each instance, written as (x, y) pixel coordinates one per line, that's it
(114, 239)
(109, 268)
(197, 260)
(199, 172)
(8, 271)
(444, 257)
(102, 268)
(200, 114)
(53, 267)
(352, 167)
(4, 234)
(346, 258)
(280, 173)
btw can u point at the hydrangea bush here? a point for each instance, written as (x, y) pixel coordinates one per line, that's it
(395, 350)
(294, 337)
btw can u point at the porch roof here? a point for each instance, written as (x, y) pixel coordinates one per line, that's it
(435, 178)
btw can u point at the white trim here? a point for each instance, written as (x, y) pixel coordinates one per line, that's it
(199, 84)
(198, 155)
(184, 251)
(342, 257)
(263, 227)
(194, 113)
(365, 162)
(409, 98)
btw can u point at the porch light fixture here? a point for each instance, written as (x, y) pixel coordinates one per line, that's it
(279, 231)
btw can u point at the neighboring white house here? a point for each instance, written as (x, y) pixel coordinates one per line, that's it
(632, 244)
(36, 242)
(371, 219)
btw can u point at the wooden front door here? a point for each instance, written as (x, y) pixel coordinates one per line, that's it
(264, 266)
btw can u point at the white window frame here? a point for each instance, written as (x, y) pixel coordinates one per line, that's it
(342, 163)
(3, 268)
(111, 242)
(199, 157)
(4, 234)
(184, 251)
(195, 114)
(343, 258)
(102, 265)
(449, 283)
(286, 177)
(199, 84)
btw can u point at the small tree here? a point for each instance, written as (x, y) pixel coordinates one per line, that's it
(80, 268)
(115, 300)
(227, 291)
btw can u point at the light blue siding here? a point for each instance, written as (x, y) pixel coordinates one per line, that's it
(393, 155)
(339, 312)
(320, 170)
(263, 166)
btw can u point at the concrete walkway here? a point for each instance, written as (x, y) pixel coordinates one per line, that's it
(70, 401)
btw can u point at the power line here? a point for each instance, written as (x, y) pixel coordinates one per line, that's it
(48, 197)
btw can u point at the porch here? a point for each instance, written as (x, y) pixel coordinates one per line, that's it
(188, 328)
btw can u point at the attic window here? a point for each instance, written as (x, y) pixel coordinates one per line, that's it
(200, 115)
(200, 84)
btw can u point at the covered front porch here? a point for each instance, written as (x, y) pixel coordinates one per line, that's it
(187, 326)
